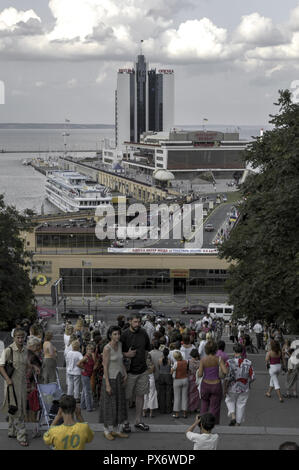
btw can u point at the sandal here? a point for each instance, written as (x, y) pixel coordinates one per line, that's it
(23, 443)
(267, 395)
(142, 427)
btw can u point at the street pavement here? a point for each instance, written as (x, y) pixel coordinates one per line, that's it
(267, 424)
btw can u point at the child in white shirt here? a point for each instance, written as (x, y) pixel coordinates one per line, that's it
(205, 440)
(73, 372)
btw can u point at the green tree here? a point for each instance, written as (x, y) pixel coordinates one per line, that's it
(16, 288)
(264, 245)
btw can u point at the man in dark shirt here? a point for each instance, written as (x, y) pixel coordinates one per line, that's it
(135, 344)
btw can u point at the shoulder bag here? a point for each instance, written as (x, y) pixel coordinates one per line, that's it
(12, 409)
(9, 367)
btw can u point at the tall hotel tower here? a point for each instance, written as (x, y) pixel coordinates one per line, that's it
(144, 101)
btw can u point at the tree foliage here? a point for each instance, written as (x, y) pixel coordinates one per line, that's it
(16, 288)
(264, 245)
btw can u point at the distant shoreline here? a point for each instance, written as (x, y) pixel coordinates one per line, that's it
(54, 126)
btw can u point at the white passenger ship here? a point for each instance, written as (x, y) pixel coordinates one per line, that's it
(70, 191)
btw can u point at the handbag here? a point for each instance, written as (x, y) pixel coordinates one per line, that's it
(12, 409)
(9, 367)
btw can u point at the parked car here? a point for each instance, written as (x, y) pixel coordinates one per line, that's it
(152, 312)
(138, 304)
(209, 228)
(117, 244)
(193, 309)
(72, 314)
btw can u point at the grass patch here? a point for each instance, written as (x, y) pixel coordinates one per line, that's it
(233, 196)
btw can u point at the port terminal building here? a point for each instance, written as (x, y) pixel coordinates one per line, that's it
(71, 251)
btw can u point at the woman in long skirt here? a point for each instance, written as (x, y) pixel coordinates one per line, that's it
(113, 406)
(193, 394)
(165, 394)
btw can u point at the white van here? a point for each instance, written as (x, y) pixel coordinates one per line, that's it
(224, 311)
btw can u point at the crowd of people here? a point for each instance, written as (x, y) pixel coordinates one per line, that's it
(154, 366)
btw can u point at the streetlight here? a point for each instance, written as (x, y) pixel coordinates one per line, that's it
(54, 294)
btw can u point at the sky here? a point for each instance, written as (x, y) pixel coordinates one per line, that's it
(59, 58)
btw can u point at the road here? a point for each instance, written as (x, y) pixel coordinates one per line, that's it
(216, 218)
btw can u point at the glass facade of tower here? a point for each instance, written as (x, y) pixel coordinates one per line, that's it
(132, 107)
(141, 96)
(155, 101)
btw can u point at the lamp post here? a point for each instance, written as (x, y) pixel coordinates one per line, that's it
(55, 285)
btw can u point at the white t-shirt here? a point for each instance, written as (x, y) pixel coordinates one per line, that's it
(208, 319)
(295, 344)
(72, 359)
(66, 339)
(258, 328)
(201, 348)
(203, 441)
(186, 352)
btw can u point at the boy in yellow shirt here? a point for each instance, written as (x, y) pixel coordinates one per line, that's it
(69, 435)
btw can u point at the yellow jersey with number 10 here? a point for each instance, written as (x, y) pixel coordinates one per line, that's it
(69, 437)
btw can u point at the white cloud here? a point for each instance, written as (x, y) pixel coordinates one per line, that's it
(294, 19)
(198, 39)
(110, 30)
(10, 18)
(257, 29)
(283, 52)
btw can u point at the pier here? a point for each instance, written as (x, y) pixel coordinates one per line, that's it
(62, 151)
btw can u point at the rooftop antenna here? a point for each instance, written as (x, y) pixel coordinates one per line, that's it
(141, 53)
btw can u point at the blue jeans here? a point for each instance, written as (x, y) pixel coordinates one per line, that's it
(86, 395)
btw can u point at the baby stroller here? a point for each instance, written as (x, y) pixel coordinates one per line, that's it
(49, 396)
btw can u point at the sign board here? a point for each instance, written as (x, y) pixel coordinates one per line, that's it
(179, 273)
(165, 251)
